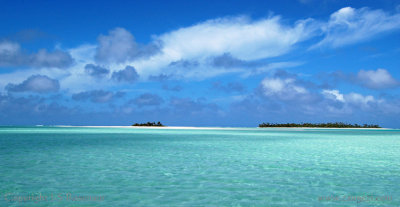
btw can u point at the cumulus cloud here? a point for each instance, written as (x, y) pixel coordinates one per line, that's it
(97, 96)
(58, 59)
(96, 71)
(376, 79)
(35, 83)
(8, 50)
(349, 25)
(359, 99)
(11, 55)
(283, 88)
(352, 101)
(147, 99)
(120, 46)
(128, 74)
(333, 95)
(373, 79)
(293, 93)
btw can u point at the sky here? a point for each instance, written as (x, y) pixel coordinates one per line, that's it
(199, 63)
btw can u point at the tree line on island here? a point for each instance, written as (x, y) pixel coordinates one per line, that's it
(320, 125)
(158, 124)
(265, 125)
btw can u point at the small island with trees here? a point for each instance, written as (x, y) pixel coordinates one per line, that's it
(151, 124)
(319, 125)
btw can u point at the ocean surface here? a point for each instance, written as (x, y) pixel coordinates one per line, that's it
(71, 166)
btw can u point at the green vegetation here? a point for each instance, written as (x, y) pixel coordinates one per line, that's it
(320, 125)
(158, 124)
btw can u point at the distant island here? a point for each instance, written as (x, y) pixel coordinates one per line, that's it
(320, 125)
(158, 124)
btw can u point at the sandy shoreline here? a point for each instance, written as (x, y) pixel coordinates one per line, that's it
(212, 128)
(152, 127)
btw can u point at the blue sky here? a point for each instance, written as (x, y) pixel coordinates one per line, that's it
(199, 63)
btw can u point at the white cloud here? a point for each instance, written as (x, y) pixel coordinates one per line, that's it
(349, 25)
(359, 100)
(58, 59)
(35, 83)
(283, 88)
(11, 55)
(116, 47)
(128, 74)
(120, 46)
(9, 48)
(19, 76)
(241, 37)
(352, 99)
(83, 54)
(333, 94)
(376, 79)
(78, 79)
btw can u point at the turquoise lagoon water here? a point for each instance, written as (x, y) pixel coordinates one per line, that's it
(56, 166)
